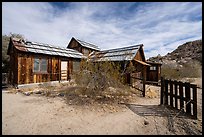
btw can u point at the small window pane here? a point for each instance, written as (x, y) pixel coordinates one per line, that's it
(44, 65)
(153, 68)
(36, 65)
(76, 66)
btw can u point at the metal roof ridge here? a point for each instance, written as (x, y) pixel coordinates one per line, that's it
(93, 45)
(51, 46)
(119, 49)
(43, 44)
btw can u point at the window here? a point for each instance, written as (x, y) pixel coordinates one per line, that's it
(76, 66)
(40, 65)
(43, 65)
(36, 64)
(153, 68)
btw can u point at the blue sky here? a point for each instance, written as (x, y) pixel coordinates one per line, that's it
(160, 26)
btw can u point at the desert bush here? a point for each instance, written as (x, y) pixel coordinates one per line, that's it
(99, 75)
(94, 81)
(192, 69)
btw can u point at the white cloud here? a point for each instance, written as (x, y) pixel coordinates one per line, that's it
(159, 26)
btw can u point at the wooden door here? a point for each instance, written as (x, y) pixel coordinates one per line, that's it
(63, 70)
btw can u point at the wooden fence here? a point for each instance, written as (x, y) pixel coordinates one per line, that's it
(138, 83)
(179, 95)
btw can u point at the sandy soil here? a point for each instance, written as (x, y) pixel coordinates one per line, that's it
(36, 114)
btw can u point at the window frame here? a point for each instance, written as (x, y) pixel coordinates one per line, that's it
(40, 59)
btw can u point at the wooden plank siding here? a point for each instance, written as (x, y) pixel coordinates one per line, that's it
(77, 46)
(14, 67)
(154, 75)
(139, 56)
(23, 68)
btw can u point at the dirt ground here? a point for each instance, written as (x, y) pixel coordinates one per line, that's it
(41, 115)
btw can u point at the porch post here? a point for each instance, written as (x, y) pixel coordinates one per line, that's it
(144, 80)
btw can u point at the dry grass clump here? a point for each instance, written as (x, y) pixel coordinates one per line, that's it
(79, 96)
(192, 69)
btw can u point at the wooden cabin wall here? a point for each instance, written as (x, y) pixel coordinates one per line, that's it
(53, 71)
(139, 68)
(75, 45)
(25, 69)
(154, 75)
(159, 72)
(13, 69)
(70, 66)
(138, 56)
(86, 51)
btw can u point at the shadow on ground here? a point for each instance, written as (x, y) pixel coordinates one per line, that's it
(156, 110)
(169, 113)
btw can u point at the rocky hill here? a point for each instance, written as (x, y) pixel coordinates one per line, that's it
(186, 59)
(189, 51)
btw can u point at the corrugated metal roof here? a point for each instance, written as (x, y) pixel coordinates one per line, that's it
(88, 45)
(119, 54)
(35, 47)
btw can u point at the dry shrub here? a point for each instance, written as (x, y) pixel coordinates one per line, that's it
(192, 69)
(80, 96)
(98, 82)
(98, 76)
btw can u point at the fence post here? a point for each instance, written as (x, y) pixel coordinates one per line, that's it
(162, 91)
(166, 92)
(144, 80)
(171, 93)
(194, 101)
(176, 95)
(188, 98)
(181, 95)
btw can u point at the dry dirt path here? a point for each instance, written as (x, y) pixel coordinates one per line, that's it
(41, 115)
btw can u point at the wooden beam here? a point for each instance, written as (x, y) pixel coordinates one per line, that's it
(144, 80)
(162, 92)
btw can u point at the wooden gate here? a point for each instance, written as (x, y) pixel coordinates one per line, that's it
(137, 82)
(179, 95)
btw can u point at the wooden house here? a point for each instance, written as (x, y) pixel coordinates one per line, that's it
(32, 62)
(83, 47)
(131, 57)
